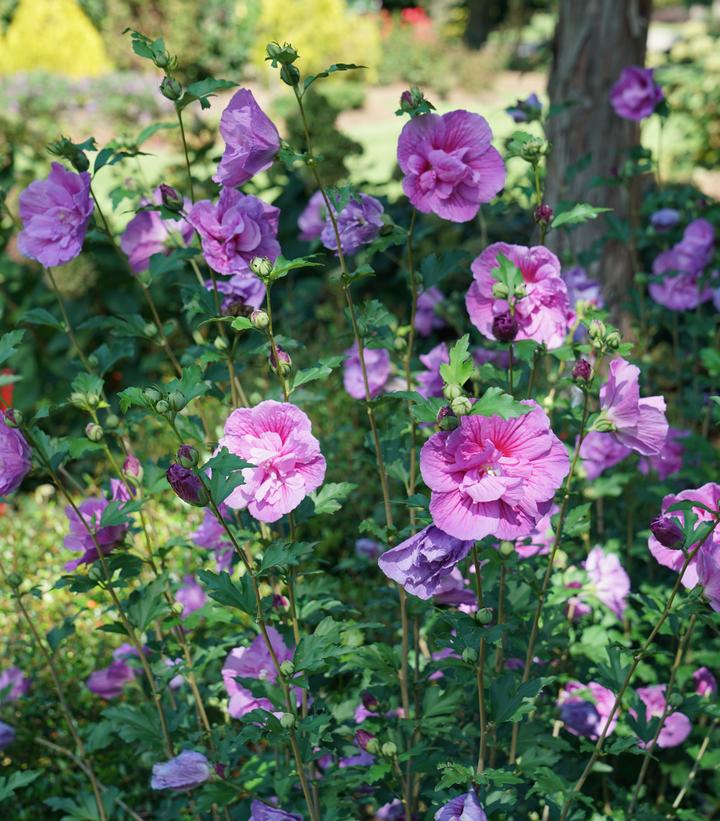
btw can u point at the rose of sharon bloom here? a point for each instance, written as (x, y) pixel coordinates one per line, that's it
(191, 596)
(235, 229)
(55, 213)
(7, 735)
(664, 219)
(239, 292)
(540, 540)
(670, 458)
(708, 569)
(449, 166)
(708, 495)
(422, 562)
(313, 217)
(358, 224)
(542, 315)
(582, 288)
(585, 708)
(275, 437)
(493, 476)
(377, 365)
(14, 458)
(636, 95)
(462, 808)
(368, 548)
(211, 535)
(676, 726)
(452, 590)
(639, 424)
(426, 316)
(251, 140)
(13, 684)
(260, 811)
(184, 772)
(392, 811)
(524, 110)
(599, 452)
(684, 263)
(109, 682)
(147, 234)
(705, 682)
(107, 538)
(430, 383)
(608, 579)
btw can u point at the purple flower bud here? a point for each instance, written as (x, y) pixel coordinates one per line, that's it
(582, 371)
(505, 327)
(406, 99)
(184, 772)
(667, 532)
(133, 468)
(362, 737)
(187, 456)
(13, 418)
(280, 602)
(187, 485)
(281, 364)
(543, 214)
(170, 198)
(370, 702)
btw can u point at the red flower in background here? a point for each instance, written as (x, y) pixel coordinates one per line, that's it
(6, 391)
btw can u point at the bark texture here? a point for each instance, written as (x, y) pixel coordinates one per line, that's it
(594, 41)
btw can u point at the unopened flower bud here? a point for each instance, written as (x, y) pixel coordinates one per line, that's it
(261, 266)
(613, 340)
(469, 655)
(389, 749)
(461, 406)
(177, 401)
(373, 746)
(400, 343)
(369, 701)
(500, 290)
(162, 406)
(162, 59)
(603, 425)
(171, 88)
(520, 291)
(188, 456)
(171, 199)
(14, 580)
(187, 485)
(92, 400)
(451, 392)
(282, 363)
(112, 421)
(667, 532)
(675, 699)
(505, 327)
(484, 615)
(362, 738)
(150, 329)
(507, 548)
(543, 214)
(177, 608)
(93, 432)
(597, 329)
(582, 371)
(13, 418)
(280, 602)
(152, 395)
(77, 399)
(220, 343)
(290, 75)
(132, 468)
(287, 721)
(259, 319)
(406, 100)
(446, 418)
(284, 54)
(287, 668)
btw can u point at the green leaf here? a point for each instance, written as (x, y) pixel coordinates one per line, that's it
(423, 409)
(136, 723)
(118, 512)
(577, 214)
(578, 521)
(39, 316)
(222, 589)
(454, 774)
(88, 383)
(330, 497)
(241, 323)
(16, 781)
(508, 273)
(227, 474)
(201, 91)
(79, 446)
(58, 634)
(9, 343)
(324, 643)
(282, 267)
(286, 554)
(517, 142)
(511, 700)
(320, 371)
(461, 366)
(147, 604)
(435, 267)
(335, 67)
(494, 402)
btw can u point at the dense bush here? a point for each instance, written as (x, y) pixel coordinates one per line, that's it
(331, 503)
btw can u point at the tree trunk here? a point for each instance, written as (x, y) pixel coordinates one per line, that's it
(594, 41)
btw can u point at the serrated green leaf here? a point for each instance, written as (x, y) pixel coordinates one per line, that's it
(222, 589)
(461, 366)
(329, 498)
(578, 213)
(494, 402)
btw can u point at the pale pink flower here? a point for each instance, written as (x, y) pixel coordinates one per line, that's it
(600, 451)
(275, 437)
(540, 540)
(675, 728)
(670, 458)
(608, 580)
(377, 368)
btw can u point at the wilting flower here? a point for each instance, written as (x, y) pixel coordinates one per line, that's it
(608, 579)
(664, 219)
(83, 539)
(377, 365)
(14, 458)
(585, 708)
(705, 682)
(599, 452)
(426, 316)
(449, 166)
(542, 314)
(13, 684)
(673, 557)
(251, 140)
(7, 735)
(235, 229)
(639, 424)
(526, 110)
(187, 485)
(493, 476)
(260, 811)
(191, 596)
(358, 224)
(430, 383)
(421, 563)
(109, 682)
(211, 535)
(184, 772)
(540, 540)
(240, 292)
(55, 213)
(636, 95)
(277, 439)
(147, 234)
(670, 458)
(464, 807)
(313, 217)
(676, 727)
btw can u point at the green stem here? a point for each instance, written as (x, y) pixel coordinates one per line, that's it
(68, 325)
(480, 671)
(187, 154)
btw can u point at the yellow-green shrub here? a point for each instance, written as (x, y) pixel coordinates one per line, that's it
(323, 32)
(52, 35)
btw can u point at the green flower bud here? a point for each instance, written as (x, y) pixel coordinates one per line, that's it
(94, 432)
(461, 406)
(469, 655)
(220, 343)
(500, 290)
(259, 319)
(112, 421)
(14, 580)
(613, 340)
(261, 266)
(177, 401)
(399, 343)
(675, 699)
(520, 291)
(78, 399)
(290, 75)
(287, 721)
(150, 329)
(597, 329)
(162, 406)
(451, 392)
(373, 746)
(389, 749)
(484, 615)
(177, 608)
(171, 88)
(92, 399)
(152, 395)
(507, 548)
(287, 668)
